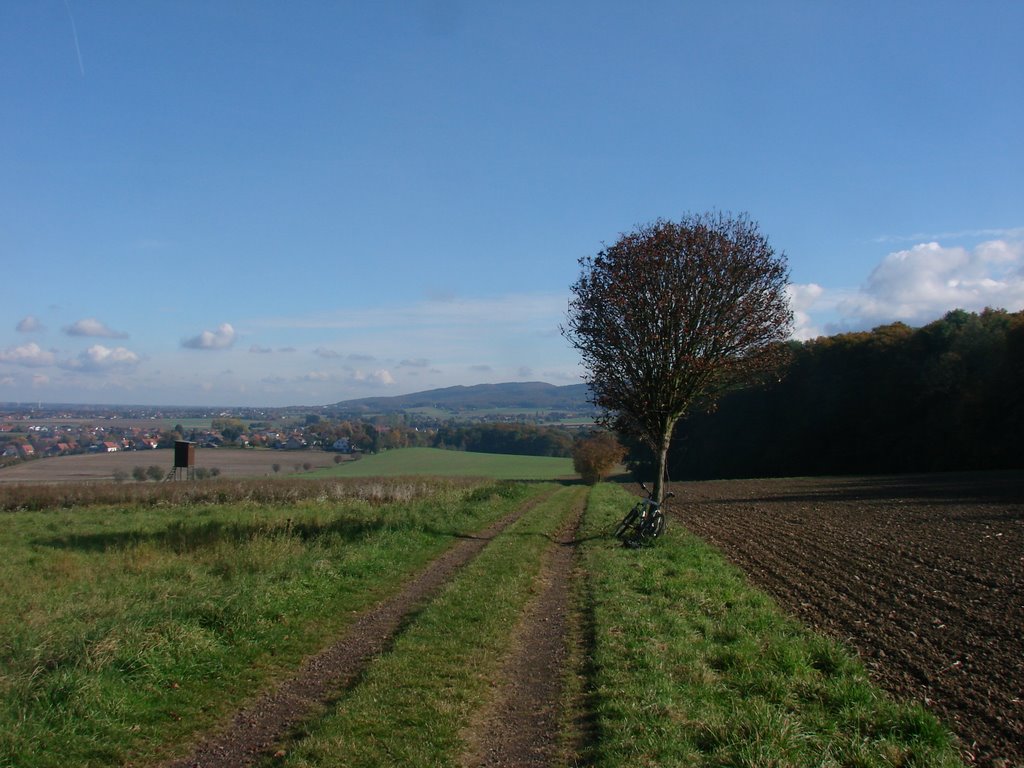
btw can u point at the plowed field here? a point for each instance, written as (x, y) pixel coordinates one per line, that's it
(921, 575)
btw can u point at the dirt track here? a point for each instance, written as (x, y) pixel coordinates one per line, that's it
(921, 575)
(521, 726)
(253, 732)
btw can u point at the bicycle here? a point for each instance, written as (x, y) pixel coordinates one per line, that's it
(644, 522)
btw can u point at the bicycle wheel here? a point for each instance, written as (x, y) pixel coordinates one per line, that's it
(628, 523)
(656, 525)
(653, 526)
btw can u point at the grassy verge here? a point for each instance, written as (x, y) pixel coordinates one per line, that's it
(692, 666)
(124, 630)
(414, 701)
(437, 462)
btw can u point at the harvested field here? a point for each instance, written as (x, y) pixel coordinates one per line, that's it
(921, 575)
(232, 463)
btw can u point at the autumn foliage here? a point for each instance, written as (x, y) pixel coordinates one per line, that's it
(672, 315)
(595, 456)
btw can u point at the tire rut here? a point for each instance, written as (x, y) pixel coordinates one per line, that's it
(521, 726)
(253, 732)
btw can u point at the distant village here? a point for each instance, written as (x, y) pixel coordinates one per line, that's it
(34, 432)
(30, 434)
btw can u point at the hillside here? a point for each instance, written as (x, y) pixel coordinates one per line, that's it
(527, 396)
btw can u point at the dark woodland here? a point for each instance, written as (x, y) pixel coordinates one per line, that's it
(947, 396)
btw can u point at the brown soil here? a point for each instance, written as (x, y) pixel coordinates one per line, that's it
(522, 725)
(257, 730)
(921, 575)
(232, 463)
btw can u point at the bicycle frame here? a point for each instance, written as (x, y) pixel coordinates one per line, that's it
(644, 522)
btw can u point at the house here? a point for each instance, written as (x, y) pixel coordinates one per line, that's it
(27, 451)
(342, 445)
(109, 447)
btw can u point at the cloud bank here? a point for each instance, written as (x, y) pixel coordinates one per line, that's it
(915, 286)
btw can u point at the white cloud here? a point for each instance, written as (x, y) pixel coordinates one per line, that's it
(802, 299)
(381, 377)
(90, 326)
(222, 338)
(916, 286)
(30, 355)
(99, 358)
(925, 281)
(29, 324)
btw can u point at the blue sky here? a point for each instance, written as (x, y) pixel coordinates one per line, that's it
(264, 203)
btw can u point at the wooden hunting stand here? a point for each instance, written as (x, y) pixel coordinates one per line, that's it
(184, 461)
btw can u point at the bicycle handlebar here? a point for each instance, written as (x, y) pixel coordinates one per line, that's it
(650, 493)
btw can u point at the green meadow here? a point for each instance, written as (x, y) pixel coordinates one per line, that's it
(441, 463)
(129, 629)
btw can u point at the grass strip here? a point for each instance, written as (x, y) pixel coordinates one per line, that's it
(414, 701)
(693, 666)
(126, 630)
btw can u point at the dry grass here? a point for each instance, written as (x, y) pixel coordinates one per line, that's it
(232, 462)
(26, 497)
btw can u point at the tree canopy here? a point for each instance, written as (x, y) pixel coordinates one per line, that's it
(673, 314)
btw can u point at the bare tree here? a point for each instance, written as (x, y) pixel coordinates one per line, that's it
(673, 314)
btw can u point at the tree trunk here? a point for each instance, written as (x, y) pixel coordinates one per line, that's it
(661, 454)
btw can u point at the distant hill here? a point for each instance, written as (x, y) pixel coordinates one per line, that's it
(528, 396)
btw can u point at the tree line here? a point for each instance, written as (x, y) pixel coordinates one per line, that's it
(515, 439)
(946, 396)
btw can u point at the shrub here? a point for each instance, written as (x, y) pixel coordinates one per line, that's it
(595, 456)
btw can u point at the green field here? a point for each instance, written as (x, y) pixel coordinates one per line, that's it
(128, 630)
(441, 463)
